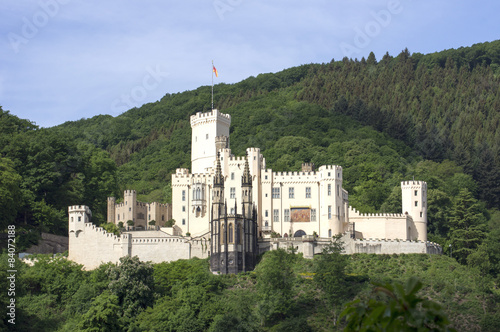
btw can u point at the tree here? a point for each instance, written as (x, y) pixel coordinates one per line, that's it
(170, 223)
(111, 228)
(10, 192)
(132, 282)
(103, 314)
(395, 308)
(275, 279)
(467, 226)
(331, 278)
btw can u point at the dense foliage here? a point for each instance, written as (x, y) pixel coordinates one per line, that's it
(283, 294)
(431, 117)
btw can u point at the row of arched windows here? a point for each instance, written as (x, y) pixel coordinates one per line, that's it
(231, 234)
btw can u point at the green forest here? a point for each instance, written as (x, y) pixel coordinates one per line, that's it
(432, 117)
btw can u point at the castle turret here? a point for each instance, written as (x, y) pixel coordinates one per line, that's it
(246, 191)
(218, 190)
(205, 128)
(130, 201)
(414, 198)
(78, 215)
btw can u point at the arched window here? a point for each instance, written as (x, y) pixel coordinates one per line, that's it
(222, 237)
(230, 233)
(329, 233)
(239, 231)
(198, 193)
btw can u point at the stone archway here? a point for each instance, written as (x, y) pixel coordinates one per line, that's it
(299, 233)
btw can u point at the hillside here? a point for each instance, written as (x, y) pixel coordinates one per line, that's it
(433, 117)
(282, 294)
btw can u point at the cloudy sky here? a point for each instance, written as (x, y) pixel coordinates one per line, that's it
(63, 60)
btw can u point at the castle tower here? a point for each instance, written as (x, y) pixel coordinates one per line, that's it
(414, 198)
(130, 201)
(221, 142)
(205, 127)
(218, 191)
(111, 210)
(246, 191)
(78, 215)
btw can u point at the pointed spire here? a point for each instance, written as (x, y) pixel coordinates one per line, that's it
(247, 178)
(218, 178)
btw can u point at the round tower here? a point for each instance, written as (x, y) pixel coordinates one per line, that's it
(414, 198)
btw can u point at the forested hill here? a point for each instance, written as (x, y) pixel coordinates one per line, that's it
(433, 117)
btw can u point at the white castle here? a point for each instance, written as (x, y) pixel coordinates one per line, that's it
(301, 209)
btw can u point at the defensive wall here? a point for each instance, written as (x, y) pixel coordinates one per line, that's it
(309, 246)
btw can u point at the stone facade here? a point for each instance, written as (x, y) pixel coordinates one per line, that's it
(304, 209)
(140, 213)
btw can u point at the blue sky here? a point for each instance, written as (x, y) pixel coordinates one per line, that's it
(63, 60)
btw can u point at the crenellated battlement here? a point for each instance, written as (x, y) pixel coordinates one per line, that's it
(102, 231)
(356, 213)
(213, 115)
(413, 183)
(79, 208)
(129, 192)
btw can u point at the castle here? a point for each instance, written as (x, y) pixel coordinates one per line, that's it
(281, 209)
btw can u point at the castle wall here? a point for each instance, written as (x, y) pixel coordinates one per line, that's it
(310, 246)
(94, 246)
(381, 225)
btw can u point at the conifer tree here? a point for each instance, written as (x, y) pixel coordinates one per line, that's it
(467, 226)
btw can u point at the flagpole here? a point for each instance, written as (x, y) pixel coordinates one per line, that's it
(212, 85)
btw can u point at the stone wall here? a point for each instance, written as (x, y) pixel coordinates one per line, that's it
(50, 244)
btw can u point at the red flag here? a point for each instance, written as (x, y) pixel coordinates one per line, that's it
(215, 71)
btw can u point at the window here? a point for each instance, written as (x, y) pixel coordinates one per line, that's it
(232, 192)
(265, 177)
(232, 176)
(118, 216)
(72, 218)
(329, 189)
(207, 136)
(291, 192)
(129, 209)
(79, 218)
(230, 228)
(183, 197)
(239, 230)
(313, 214)
(149, 217)
(416, 192)
(183, 221)
(149, 208)
(287, 215)
(267, 213)
(308, 192)
(338, 211)
(420, 214)
(338, 190)
(329, 174)
(329, 233)
(276, 192)
(162, 217)
(329, 212)
(276, 215)
(232, 210)
(416, 203)
(183, 208)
